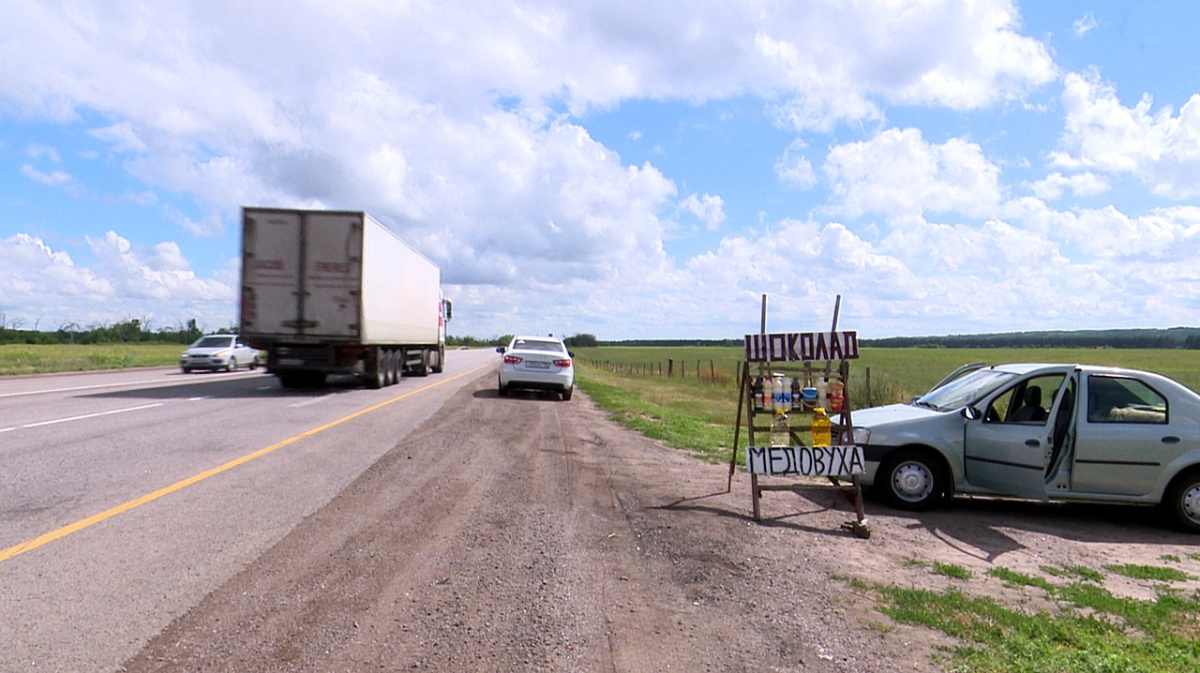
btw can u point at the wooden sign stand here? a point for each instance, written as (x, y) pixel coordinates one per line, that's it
(798, 357)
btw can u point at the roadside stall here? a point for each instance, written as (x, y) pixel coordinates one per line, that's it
(793, 386)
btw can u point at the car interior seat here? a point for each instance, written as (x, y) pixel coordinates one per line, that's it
(1031, 410)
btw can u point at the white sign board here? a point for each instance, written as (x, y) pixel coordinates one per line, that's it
(806, 461)
(802, 347)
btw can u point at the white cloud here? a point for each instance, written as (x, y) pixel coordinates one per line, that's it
(1161, 149)
(1054, 185)
(51, 178)
(1085, 24)
(794, 169)
(898, 173)
(708, 208)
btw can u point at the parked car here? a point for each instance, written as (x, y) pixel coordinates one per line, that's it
(216, 352)
(536, 363)
(1060, 432)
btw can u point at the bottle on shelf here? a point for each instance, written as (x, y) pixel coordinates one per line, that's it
(821, 429)
(758, 394)
(822, 393)
(797, 396)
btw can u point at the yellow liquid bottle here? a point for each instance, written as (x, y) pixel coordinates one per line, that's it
(820, 428)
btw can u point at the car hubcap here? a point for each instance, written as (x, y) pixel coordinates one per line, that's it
(912, 482)
(1191, 503)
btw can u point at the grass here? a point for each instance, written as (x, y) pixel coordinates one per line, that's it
(695, 409)
(1089, 631)
(43, 359)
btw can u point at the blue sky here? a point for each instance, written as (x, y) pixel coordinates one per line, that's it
(626, 169)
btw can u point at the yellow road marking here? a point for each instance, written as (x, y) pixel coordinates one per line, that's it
(59, 533)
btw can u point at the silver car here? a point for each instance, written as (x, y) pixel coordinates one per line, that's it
(536, 363)
(1042, 431)
(216, 352)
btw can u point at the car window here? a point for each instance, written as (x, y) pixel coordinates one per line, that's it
(532, 345)
(965, 390)
(1113, 399)
(1025, 402)
(213, 342)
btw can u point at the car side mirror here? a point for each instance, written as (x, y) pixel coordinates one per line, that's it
(499, 349)
(970, 413)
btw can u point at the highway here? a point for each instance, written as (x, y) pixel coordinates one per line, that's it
(128, 496)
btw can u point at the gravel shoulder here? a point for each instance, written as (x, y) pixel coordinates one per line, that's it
(528, 534)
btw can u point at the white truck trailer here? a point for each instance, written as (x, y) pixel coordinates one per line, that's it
(336, 292)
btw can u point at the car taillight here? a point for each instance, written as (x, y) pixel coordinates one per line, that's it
(512, 360)
(562, 363)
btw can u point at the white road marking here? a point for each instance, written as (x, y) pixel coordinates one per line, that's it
(147, 382)
(80, 418)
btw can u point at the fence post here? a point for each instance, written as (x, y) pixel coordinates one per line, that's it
(670, 367)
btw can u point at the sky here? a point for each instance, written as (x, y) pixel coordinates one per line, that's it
(626, 169)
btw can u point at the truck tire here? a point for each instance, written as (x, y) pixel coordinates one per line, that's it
(440, 365)
(377, 370)
(423, 367)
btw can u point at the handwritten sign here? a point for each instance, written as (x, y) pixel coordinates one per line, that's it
(806, 461)
(801, 347)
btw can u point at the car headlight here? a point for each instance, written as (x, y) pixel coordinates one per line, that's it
(862, 436)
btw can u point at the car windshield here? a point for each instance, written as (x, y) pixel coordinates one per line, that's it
(213, 342)
(963, 391)
(532, 345)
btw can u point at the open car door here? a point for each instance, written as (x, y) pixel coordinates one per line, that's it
(1005, 449)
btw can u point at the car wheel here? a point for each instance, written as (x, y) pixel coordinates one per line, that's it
(232, 366)
(912, 479)
(502, 390)
(187, 370)
(566, 394)
(1183, 501)
(254, 363)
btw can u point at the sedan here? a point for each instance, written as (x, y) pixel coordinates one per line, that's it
(1060, 432)
(218, 352)
(536, 363)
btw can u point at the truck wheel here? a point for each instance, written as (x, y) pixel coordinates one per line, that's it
(912, 479)
(440, 365)
(395, 367)
(377, 375)
(423, 368)
(1183, 501)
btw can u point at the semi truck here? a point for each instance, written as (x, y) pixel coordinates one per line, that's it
(337, 293)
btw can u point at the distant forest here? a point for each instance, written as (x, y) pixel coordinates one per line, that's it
(133, 331)
(1173, 338)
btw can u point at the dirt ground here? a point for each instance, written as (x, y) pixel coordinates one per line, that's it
(540, 536)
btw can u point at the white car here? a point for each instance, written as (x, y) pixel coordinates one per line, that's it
(1061, 432)
(216, 352)
(536, 363)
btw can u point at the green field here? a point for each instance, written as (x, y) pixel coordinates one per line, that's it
(44, 359)
(696, 409)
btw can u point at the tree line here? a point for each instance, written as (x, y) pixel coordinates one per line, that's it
(126, 331)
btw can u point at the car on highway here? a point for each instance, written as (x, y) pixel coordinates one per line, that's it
(536, 363)
(1051, 432)
(216, 352)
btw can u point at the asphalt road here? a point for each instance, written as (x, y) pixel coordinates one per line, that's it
(126, 497)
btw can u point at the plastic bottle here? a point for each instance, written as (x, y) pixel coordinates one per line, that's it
(821, 430)
(758, 394)
(777, 392)
(780, 434)
(822, 393)
(837, 400)
(797, 396)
